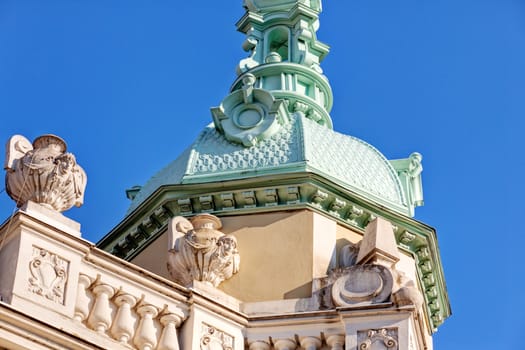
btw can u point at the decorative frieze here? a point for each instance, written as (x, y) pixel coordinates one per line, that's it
(336, 206)
(206, 203)
(185, 206)
(292, 195)
(228, 201)
(285, 197)
(406, 237)
(318, 198)
(48, 275)
(271, 198)
(249, 199)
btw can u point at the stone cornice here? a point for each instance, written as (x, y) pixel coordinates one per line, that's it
(278, 193)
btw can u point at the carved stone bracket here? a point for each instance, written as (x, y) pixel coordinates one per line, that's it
(198, 251)
(44, 173)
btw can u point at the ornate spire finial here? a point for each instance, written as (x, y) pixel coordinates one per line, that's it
(44, 173)
(284, 61)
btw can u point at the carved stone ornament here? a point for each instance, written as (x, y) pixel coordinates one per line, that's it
(363, 285)
(48, 275)
(384, 338)
(198, 251)
(44, 173)
(214, 339)
(407, 293)
(249, 114)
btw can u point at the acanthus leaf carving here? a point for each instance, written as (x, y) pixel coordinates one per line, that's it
(198, 251)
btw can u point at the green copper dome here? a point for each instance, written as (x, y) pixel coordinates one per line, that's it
(276, 121)
(302, 145)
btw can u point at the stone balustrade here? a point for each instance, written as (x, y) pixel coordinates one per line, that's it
(65, 281)
(129, 319)
(70, 285)
(332, 342)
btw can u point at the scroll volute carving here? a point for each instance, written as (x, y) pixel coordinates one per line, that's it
(368, 272)
(197, 250)
(43, 172)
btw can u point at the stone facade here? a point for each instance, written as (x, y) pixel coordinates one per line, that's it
(272, 232)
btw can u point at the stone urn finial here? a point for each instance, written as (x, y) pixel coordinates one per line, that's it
(197, 250)
(43, 172)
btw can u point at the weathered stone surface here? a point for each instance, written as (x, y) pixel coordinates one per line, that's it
(43, 172)
(198, 251)
(379, 244)
(363, 285)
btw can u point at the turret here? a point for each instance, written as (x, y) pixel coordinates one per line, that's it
(283, 68)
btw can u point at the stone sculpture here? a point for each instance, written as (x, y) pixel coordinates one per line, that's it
(44, 173)
(198, 251)
(368, 274)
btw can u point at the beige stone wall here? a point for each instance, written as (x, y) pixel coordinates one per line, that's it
(280, 253)
(276, 256)
(154, 257)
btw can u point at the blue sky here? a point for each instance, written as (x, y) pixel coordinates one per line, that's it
(129, 84)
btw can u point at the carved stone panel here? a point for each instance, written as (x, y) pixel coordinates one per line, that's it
(362, 284)
(215, 339)
(48, 274)
(378, 339)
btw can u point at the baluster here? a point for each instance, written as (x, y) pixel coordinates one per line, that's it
(168, 339)
(82, 302)
(310, 343)
(259, 345)
(100, 318)
(145, 337)
(336, 342)
(285, 344)
(122, 329)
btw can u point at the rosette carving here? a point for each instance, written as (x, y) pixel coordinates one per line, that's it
(44, 173)
(198, 251)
